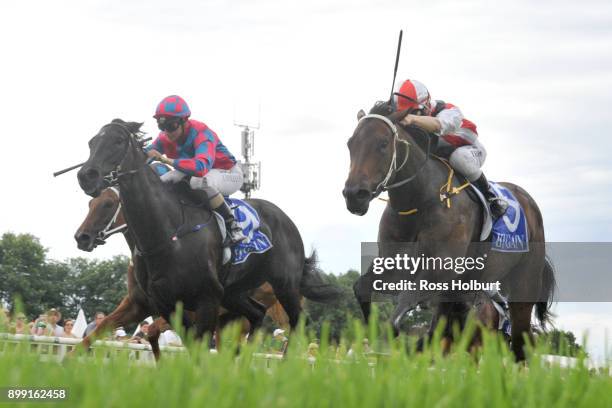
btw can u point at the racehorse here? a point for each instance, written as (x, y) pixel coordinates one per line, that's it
(386, 156)
(178, 252)
(104, 219)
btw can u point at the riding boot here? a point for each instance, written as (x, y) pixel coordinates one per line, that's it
(234, 232)
(497, 205)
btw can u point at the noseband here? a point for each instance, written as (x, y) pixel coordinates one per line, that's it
(393, 167)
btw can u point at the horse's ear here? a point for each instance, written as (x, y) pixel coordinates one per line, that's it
(360, 114)
(134, 126)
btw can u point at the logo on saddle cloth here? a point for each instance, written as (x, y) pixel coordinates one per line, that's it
(247, 218)
(509, 233)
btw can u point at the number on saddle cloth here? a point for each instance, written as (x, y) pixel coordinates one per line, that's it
(248, 219)
(509, 232)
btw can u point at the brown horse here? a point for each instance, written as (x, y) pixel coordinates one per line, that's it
(387, 157)
(104, 219)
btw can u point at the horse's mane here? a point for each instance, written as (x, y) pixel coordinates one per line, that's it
(420, 135)
(384, 108)
(133, 127)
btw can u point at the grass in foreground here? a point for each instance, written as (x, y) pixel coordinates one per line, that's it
(398, 378)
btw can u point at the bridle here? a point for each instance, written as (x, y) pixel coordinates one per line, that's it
(108, 230)
(393, 167)
(112, 178)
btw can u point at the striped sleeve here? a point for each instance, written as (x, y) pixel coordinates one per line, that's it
(204, 147)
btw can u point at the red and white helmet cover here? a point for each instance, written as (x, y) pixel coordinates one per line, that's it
(412, 94)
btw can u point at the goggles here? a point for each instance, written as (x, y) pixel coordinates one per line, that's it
(168, 125)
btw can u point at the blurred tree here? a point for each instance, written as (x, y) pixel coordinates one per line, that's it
(24, 272)
(562, 343)
(346, 309)
(96, 285)
(42, 284)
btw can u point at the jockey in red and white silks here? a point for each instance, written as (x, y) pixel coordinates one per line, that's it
(458, 136)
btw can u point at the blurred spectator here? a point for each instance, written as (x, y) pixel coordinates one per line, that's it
(99, 316)
(170, 338)
(46, 324)
(141, 335)
(313, 351)
(68, 325)
(279, 341)
(54, 329)
(4, 318)
(365, 348)
(120, 334)
(19, 326)
(39, 326)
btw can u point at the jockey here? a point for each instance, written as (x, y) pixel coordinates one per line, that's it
(458, 136)
(194, 150)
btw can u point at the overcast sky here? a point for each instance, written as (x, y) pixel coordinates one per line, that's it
(534, 76)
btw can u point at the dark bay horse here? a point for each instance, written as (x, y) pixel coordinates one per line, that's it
(104, 219)
(386, 156)
(178, 244)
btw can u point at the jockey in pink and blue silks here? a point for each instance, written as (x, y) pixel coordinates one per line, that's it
(195, 151)
(458, 136)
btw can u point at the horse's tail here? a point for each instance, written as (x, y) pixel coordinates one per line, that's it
(542, 308)
(313, 285)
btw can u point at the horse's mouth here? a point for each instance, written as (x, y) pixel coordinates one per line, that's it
(357, 207)
(85, 243)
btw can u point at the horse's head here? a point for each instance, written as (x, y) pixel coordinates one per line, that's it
(103, 215)
(377, 153)
(107, 150)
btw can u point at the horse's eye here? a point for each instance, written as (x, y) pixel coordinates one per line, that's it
(383, 145)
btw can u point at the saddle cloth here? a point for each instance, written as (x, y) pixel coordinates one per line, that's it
(247, 218)
(509, 232)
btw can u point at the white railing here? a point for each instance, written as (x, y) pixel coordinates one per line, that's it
(55, 348)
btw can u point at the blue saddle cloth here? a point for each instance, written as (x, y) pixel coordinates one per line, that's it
(509, 233)
(247, 218)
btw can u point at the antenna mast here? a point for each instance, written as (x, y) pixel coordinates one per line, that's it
(250, 169)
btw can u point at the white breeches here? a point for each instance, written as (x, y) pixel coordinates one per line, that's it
(215, 181)
(467, 160)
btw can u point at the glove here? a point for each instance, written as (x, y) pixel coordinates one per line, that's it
(173, 176)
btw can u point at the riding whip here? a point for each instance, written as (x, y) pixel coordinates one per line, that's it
(76, 166)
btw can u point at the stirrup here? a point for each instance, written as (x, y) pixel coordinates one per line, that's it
(233, 236)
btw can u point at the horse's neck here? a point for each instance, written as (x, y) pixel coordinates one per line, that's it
(425, 185)
(151, 212)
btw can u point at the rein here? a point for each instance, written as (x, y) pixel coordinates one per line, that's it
(108, 231)
(393, 167)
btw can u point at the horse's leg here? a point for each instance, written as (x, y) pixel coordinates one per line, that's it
(206, 315)
(291, 302)
(153, 336)
(126, 313)
(240, 305)
(520, 317)
(363, 293)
